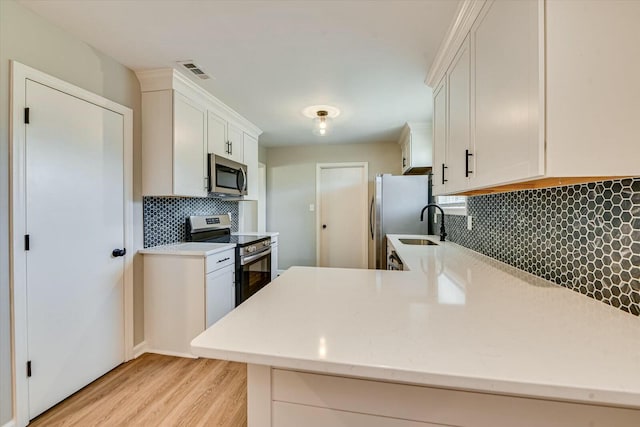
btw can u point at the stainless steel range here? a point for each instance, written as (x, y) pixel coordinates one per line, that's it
(253, 253)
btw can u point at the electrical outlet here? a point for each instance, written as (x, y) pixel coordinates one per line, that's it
(469, 222)
(312, 207)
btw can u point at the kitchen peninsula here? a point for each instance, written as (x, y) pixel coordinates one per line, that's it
(460, 339)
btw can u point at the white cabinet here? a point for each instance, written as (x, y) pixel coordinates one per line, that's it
(440, 173)
(508, 144)
(181, 124)
(224, 138)
(415, 142)
(220, 294)
(173, 145)
(184, 295)
(250, 146)
(459, 157)
(536, 116)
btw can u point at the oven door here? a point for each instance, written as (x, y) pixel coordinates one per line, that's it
(254, 273)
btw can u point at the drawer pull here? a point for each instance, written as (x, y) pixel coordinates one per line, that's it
(223, 259)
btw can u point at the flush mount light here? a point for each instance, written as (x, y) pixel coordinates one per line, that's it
(321, 115)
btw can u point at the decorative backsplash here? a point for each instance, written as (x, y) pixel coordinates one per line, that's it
(164, 217)
(584, 237)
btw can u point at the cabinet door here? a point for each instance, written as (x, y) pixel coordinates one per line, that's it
(406, 152)
(440, 172)
(251, 160)
(219, 294)
(458, 86)
(189, 151)
(217, 135)
(508, 142)
(236, 143)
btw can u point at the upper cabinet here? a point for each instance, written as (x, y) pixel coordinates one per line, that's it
(250, 149)
(174, 145)
(516, 100)
(415, 143)
(224, 138)
(181, 124)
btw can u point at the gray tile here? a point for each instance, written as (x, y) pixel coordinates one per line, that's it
(583, 237)
(164, 217)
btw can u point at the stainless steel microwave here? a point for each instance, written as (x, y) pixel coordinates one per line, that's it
(226, 177)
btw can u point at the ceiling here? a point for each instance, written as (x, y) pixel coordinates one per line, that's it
(270, 59)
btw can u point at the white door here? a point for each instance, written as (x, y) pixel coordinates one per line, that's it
(75, 219)
(343, 216)
(217, 135)
(236, 143)
(190, 148)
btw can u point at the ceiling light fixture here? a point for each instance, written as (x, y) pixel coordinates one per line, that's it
(321, 115)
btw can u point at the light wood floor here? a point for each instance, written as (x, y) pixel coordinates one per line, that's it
(155, 390)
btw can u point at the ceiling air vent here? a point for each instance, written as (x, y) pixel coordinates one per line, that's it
(194, 69)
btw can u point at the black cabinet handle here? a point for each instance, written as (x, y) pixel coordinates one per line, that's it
(223, 259)
(324, 226)
(119, 252)
(467, 154)
(231, 148)
(443, 168)
(404, 162)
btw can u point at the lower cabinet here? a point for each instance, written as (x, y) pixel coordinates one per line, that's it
(184, 295)
(219, 294)
(284, 398)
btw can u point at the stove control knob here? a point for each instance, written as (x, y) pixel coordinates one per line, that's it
(251, 249)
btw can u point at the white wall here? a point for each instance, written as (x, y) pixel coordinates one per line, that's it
(291, 188)
(28, 38)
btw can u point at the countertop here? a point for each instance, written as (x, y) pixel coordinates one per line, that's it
(188, 249)
(457, 320)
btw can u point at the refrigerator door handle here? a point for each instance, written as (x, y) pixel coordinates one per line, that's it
(371, 216)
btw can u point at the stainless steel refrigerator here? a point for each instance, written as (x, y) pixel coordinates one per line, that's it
(395, 209)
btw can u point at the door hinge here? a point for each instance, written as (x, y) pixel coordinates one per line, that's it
(26, 116)
(26, 242)
(28, 368)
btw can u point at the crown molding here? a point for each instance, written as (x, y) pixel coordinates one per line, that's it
(466, 15)
(169, 78)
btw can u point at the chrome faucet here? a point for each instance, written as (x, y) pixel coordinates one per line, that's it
(443, 233)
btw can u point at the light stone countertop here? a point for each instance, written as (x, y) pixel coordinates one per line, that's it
(188, 249)
(457, 320)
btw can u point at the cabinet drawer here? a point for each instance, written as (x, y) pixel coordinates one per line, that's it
(440, 406)
(221, 259)
(291, 415)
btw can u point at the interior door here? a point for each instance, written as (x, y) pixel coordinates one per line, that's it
(343, 217)
(75, 219)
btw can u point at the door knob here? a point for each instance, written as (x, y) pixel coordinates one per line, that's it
(324, 225)
(119, 252)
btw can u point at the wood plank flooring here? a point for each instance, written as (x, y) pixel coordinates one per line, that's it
(156, 390)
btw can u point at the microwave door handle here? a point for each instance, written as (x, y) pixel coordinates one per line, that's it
(244, 189)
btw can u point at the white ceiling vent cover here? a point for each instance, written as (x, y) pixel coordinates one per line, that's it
(194, 69)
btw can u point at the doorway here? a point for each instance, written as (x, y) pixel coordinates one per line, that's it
(341, 215)
(72, 240)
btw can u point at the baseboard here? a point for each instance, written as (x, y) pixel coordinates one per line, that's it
(139, 349)
(280, 272)
(11, 423)
(171, 353)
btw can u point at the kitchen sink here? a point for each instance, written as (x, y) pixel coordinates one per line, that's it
(417, 242)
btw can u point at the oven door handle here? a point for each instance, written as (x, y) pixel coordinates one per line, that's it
(247, 259)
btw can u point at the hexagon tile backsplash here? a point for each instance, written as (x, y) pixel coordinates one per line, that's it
(584, 237)
(164, 218)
